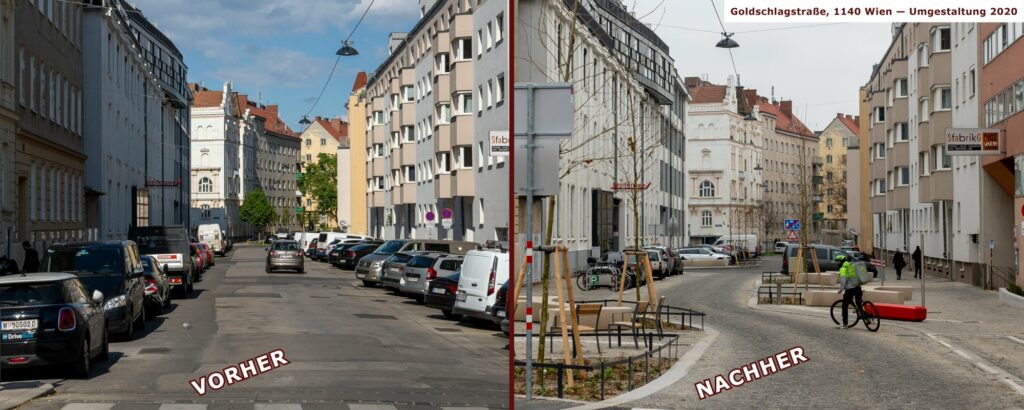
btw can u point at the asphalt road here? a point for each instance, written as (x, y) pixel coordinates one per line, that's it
(348, 347)
(854, 368)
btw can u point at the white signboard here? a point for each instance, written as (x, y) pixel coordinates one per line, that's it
(499, 143)
(974, 141)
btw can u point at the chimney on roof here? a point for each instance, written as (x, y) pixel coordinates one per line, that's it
(787, 107)
(856, 118)
(840, 115)
(272, 108)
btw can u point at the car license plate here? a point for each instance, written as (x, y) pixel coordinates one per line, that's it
(412, 279)
(439, 291)
(20, 324)
(19, 336)
(462, 296)
(500, 313)
(360, 275)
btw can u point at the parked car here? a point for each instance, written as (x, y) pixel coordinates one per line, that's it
(849, 243)
(170, 246)
(780, 246)
(51, 319)
(310, 248)
(667, 261)
(334, 252)
(500, 311)
(441, 294)
(740, 243)
(158, 289)
(857, 256)
(391, 272)
(369, 268)
(349, 257)
(209, 254)
(210, 234)
(825, 254)
(285, 254)
(269, 239)
(424, 268)
(703, 257)
(197, 261)
(200, 257)
(483, 272)
(115, 269)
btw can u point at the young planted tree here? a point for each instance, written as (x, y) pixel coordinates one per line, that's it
(320, 182)
(257, 211)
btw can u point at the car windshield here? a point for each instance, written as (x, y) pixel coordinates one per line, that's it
(363, 247)
(110, 284)
(400, 258)
(158, 244)
(285, 246)
(31, 294)
(147, 265)
(84, 259)
(421, 262)
(389, 247)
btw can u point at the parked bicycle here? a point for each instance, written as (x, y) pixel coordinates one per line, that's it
(866, 313)
(601, 274)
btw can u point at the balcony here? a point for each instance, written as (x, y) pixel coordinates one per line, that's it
(443, 186)
(379, 134)
(378, 169)
(461, 76)
(376, 199)
(442, 138)
(462, 25)
(464, 182)
(443, 88)
(462, 130)
(442, 42)
(409, 154)
(396, 158)
(408, 193)
(408, 113)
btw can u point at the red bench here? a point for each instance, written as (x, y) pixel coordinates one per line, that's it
(901, 312)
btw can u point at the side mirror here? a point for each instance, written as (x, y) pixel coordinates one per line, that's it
(97, 297)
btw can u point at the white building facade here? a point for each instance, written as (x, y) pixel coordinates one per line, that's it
(8, 127)
(217, 125)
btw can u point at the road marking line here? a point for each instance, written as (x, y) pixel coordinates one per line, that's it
(986, 368)
(277, 406)
(1015, 386)
(182, 407)
(88, 406)
(371, 407)
(962, 354)
(1016, 339)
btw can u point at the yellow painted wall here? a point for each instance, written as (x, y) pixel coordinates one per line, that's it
(357, 163)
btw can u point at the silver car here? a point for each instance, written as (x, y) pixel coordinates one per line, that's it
(391, 273)
(285, 254)
(422, 269)
(370, 266)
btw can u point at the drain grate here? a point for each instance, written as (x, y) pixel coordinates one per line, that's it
(154, 350)
(447, 330)
(373, 316)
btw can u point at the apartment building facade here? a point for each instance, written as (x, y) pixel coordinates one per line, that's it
(322, 136)
(8, 126)
(430, 108)
(276, 161)
(790, 152)
(354, 191)
(217, 126)
(49, 158)
(622, 100)
(1001, 106)
(833, 143)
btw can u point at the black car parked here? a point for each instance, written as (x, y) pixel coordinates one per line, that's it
(441, 294)
(51, 319)
(351, 256)
(500, 311)
(113, 268)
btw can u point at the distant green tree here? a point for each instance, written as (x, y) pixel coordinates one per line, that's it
(257, 210)
(320, 182)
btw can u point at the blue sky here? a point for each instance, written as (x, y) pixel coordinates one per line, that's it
(282, 48)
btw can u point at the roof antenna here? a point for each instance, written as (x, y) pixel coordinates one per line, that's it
(773, 94)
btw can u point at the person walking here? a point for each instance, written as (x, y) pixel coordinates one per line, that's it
(916, 256)
(899, 263)
(31, 258)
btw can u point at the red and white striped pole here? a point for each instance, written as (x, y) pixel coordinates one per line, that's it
(528, 282)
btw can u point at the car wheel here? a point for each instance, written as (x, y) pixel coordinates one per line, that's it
(167, 301)
(448, 314)
(131, 327)
(368, 284)
(301, 270)
(188, 290)
(81, 367)
(152, 312)
(105, 353)
(140, 323)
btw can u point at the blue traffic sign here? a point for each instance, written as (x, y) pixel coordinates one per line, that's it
(791, 224)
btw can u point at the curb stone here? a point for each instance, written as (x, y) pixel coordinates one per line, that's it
(15, 394)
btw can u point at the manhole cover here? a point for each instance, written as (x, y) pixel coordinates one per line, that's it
(253, 295)
(372, 316)
(155, 350)
(447, 330)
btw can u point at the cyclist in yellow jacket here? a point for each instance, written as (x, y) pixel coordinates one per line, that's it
(849, 283)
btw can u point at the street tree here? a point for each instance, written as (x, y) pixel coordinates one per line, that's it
(320, 182)
(257, 210)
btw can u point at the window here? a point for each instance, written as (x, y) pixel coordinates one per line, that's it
(442, 63)
(378, 118)
(901, 132)
(408, 94)
(479, 42)
(922, 163)
(205, 214)
(941, 39)
(407, 133)
(705, 218)
(444, 114)
(828, 142)
(309, 142)
(205, 185)
(378, 150)
(309, 158)
(499, 28)
(971, 81)
(444, 161)
(922, 55)
(463, 48)
(499, 91)
(323, 142)
(879, 150)
(707, 189)
(901, 87)
(922, 110)
(828, 159)
(879, 114)
(464, 156)
(945, 98)
(903, 175)
(942, 159)
(463, 103)
(479, 98)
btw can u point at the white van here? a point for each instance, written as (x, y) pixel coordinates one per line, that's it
(740, 242)
(483, 273)
(211, 235)
(303, 238)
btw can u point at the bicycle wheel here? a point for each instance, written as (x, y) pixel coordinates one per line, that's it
(582, 282)
(837, 313)
(871, 320)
